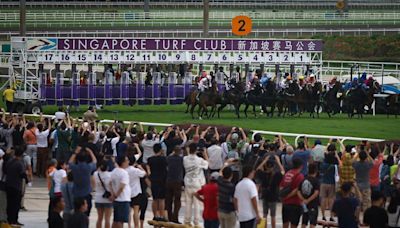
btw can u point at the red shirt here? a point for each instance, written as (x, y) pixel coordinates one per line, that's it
(210, 193)
(374, 172)
(294, 178)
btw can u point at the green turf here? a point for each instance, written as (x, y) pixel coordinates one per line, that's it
(371, 126)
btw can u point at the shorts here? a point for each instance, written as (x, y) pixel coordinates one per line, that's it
(311, 216)
(121, 212)
(158, 190)
(327, 191)
(291, 213)
(269, 206)
(136, 201)
(103, 205)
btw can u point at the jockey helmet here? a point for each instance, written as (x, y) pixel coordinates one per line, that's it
(312, 75)
(301, 77)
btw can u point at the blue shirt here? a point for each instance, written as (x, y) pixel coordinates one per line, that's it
(81, 173)
(304, 156)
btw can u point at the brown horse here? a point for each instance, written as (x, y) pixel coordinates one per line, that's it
(208, 98)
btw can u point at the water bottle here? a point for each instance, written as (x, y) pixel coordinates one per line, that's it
(305, 209)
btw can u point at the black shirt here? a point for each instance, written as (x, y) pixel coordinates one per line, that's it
(175, 168)
(307, 188)
(269, 185)
(171, 143)
(376, 217)
(78, 220)
(158, 168)
(15, 172)
(55, 220)
(225, 195)
(345, 209)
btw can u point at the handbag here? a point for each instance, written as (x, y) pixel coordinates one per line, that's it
(106, 193)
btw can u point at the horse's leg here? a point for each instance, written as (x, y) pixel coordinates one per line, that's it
(192, 110)
(254, 111)
(237, 108)
(220, 108)
(245, 110)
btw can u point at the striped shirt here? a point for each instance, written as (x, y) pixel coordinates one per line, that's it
(225, 196)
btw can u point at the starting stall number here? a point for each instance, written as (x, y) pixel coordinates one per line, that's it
(173, 57)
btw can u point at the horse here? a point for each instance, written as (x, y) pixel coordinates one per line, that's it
(355, 100)
(393, 105)
(313, 95)
(331, 101)
(253, 97)
(234, 97)
(293, 99)
(191, 100)
(374, 88)
(209, 97)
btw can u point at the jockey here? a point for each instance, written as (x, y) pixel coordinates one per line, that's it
(368, 82)
(284, 83)
(265, 80)
(311, 80)
(231, 81)
(204, 82)
(253, 83)
(301, 82)
(331, 84)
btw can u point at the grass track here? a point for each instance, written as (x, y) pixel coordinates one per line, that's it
(371, 126)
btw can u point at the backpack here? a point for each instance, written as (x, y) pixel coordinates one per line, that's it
(307, 188)
(107, 148)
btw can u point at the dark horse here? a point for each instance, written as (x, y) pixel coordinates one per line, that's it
(234, 97)
(332, 99)
(263, 97)
(292, 99)
(313, 102)
(357, 98)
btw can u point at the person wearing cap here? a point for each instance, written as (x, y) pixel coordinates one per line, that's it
(203, 84)
(311, 80)
(233, 137)
(208, 195)
(90, 115)
(318, 152)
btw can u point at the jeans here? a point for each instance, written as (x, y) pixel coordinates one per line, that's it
(211, 223)
(31, 150)
(227, 220)
(173, 196)
(191, 203)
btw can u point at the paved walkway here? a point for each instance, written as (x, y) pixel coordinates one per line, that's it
(36, 202)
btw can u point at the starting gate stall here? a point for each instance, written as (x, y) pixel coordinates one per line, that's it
(153, 80)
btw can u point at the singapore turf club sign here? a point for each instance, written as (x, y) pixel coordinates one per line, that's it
(118, 44)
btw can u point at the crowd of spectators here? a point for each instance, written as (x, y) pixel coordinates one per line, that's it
(117, 167)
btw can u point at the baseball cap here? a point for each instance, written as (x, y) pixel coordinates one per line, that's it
(317, 142)
(214, 176)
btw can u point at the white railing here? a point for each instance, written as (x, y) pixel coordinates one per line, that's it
(296, 135)
(213, 33)
(195, 15)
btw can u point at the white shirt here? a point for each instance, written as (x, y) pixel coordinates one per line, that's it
(60, 115)
(106, 178)
(194, 175)
(246, 190)
(114, 142)
(120, 176)
(53, 136)
(41, 138)
(215, 157)
(58, 176)
(148, 148)
(134, 180)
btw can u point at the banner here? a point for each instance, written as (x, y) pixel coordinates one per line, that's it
(121, 44)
